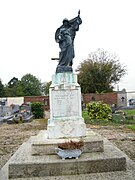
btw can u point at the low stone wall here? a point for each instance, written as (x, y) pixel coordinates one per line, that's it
(109, 98)
(43, 99)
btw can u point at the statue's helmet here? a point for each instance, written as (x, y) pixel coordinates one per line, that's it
(65, 20)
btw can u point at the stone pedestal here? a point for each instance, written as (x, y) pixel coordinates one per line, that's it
(46, 164)
(93, 142)
(65, 107)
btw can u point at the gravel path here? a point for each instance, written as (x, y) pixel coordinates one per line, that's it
(122, 137)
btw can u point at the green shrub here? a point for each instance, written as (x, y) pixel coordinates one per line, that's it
(37, 109)
(99, 111)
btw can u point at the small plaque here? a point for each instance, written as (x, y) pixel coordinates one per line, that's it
(65, 103)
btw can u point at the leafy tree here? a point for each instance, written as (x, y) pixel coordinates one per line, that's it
(12, 82)
(13, 88)
(100, 72)
(2, 93)
(31, 86)
(45, 88)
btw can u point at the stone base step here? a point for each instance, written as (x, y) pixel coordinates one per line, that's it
(93, 142)
(24, 165)
(117, 175)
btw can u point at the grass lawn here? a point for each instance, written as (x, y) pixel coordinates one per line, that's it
(117, 120)
(130, 112)
(131, 126)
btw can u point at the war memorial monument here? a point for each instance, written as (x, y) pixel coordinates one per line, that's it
(38, 158)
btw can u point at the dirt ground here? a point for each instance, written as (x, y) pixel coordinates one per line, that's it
(13, 135)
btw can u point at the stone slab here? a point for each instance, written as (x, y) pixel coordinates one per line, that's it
(66, 103)
(70, 167)
(93, 142)
(117, 175)
(129, 174)
(23, 165)
(66, 128)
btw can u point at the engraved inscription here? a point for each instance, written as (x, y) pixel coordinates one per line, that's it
(65, 103)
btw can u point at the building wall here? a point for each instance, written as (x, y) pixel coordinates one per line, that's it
(109, 98)
(43, 99)
(14, 100)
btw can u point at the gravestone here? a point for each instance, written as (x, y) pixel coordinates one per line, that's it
(15, 108)
(1, 110)
(5, 110)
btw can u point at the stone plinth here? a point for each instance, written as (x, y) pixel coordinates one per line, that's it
(93, 142)
(25, 165)
(65, 107)
(66, 128)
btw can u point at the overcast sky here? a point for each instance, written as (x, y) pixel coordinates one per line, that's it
(27, 29)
